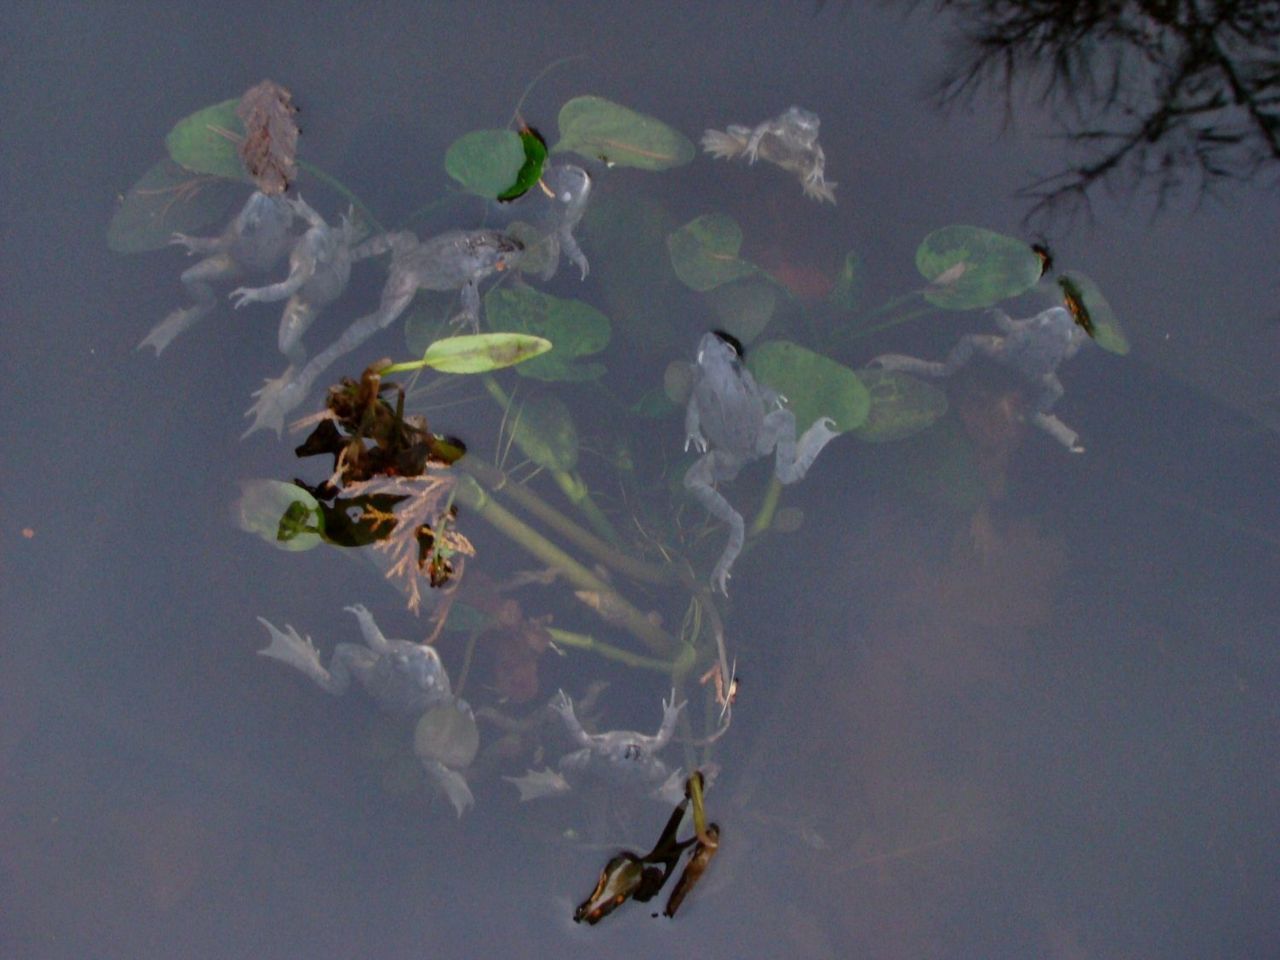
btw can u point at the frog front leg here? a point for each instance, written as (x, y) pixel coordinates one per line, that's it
(712, 468)
(470, 306)
(370, 630)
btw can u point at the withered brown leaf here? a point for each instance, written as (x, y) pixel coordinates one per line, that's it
(269, 150)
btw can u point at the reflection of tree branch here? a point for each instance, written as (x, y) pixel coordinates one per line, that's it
(1176, 93)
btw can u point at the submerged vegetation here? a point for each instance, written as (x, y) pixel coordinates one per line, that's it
(621, 557)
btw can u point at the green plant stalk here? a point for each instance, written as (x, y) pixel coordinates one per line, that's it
(569, 481)
(583, 641)
(893, 321)
(764, 516)
(498, 482)
(471, 495)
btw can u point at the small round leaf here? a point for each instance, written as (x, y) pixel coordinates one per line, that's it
(969, 267)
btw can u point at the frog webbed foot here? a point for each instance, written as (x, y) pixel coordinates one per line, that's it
(452, 783)
(243, 296)
(288, 646)
(1059, 431)
(275, 400)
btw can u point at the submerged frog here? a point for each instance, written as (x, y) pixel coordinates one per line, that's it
(456, 260)
(1033, 348)
(732, 420)
(789, 140)
(570, 186)
(252, 243)
(401, 677)
(319, 267)
(620, 757)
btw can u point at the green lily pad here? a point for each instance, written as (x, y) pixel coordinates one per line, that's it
(208, 141)
(543, 429)
(283, 514)
(448, 735)
(744, 308)
(813, 385)
(704, 252)
(575, 329)
(168, 199)
(601, 129)
(476, 353)
(901, 405)
(1107, 331)
(486, 162)
(969, 267)
(846, 292)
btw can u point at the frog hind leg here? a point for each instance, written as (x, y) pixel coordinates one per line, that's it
(793, 459)
(288, 646)
(196, 279)
(297, 317)
(711, 468)
(1051, 391)
(452, 783)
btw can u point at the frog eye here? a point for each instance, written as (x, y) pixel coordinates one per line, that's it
(631, 751)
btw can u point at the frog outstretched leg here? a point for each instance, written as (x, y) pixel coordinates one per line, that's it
(452, 783)
(301, 654)
(1051, 391)
(712, 467)
(793, 459)
(196, 279)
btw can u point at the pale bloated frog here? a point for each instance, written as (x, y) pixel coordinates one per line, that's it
(456, 260)
(789, 140)
(1033, 348)
(319, 267)
(401, 677)
(732, 420)
(252, 243)
(620, 758)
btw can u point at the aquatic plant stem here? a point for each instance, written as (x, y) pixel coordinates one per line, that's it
(471, 495)
(764, 516)
(583, 641)
(569, 481)
(499, 483)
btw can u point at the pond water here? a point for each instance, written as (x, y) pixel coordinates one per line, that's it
(998, 699)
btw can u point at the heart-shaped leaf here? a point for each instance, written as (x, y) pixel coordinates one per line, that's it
(486, 162)
(283, 514)
(969, 267)
(601, 129)
(704, 252)
(900, 405)
(168, 199)
(208, 141)
(813, 385)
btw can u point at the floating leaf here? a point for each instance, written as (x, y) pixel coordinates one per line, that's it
(283, 514)
(447, 733)
(475, 353)
(900, 405)
(846, 292)
(1106, 328)
(575, 329)
(813, 385)
(543, 428)
(704, 252)
(601, 129)
(745, 308)
(535, 156)
(168, 199)
(486, 162)
(208, 141)
(969, 267)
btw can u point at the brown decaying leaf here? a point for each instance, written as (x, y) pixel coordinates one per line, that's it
(270, 145)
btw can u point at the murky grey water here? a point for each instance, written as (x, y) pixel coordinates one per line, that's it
(999, 700)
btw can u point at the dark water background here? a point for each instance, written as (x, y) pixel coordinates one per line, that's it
(1062, 747)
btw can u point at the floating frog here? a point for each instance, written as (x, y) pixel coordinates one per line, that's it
(319, 267)
(251, 244)
(732, 420)
(456, 260)
(569, 189)
(620, 757)
(1033, 348)
(789, 140)
(401, 677)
